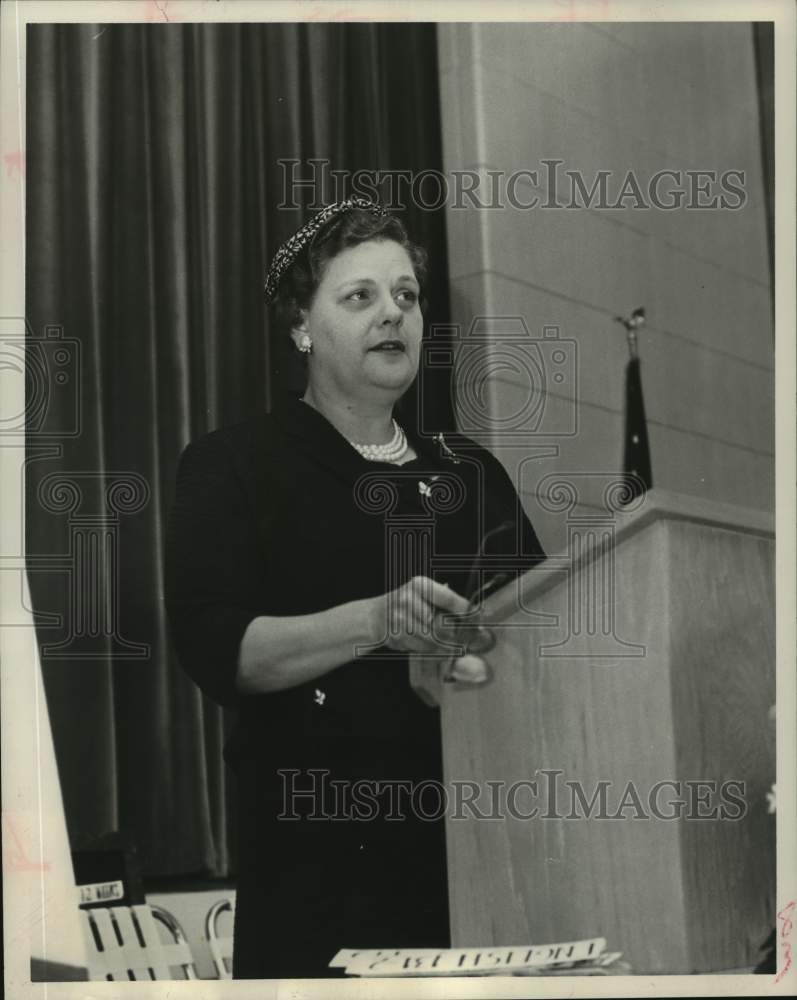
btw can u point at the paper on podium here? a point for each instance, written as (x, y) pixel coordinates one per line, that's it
(509, 960)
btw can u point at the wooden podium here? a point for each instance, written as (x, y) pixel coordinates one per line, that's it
(645, 657)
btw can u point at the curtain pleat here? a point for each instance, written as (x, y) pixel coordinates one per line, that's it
(153, 193)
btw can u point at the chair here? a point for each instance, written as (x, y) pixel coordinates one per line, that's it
(220, 947)
(124, 944)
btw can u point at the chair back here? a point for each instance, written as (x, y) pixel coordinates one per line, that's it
(220, 947)
(124, 944)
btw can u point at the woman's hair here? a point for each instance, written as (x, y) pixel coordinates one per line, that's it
(300, 282)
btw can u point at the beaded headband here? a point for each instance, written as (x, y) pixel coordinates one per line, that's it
(292, 247)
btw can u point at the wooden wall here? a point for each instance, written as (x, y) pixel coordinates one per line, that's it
(617, 97)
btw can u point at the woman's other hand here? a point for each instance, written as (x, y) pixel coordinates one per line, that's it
(467, 669)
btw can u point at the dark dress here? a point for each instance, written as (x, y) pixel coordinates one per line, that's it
(281, 516)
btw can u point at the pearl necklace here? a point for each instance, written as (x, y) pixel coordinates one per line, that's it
(393, 451)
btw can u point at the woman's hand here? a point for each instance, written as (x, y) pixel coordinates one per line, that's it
(412, 617)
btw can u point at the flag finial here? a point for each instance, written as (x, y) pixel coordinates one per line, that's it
(632, 323)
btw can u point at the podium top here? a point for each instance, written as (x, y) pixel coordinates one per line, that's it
(656, 505)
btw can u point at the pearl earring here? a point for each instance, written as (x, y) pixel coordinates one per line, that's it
(305, 344)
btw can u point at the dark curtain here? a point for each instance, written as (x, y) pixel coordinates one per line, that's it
(152, 194)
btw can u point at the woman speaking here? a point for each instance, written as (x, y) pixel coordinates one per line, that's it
(310, 551)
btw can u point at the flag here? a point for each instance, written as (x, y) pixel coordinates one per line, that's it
(636, 463)
(637, 474)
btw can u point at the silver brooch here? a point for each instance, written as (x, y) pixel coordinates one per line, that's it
(445, 450)
(424, 488)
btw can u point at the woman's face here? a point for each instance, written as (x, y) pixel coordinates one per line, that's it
(365, 323)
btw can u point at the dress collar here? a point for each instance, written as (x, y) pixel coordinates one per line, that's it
(310, 431)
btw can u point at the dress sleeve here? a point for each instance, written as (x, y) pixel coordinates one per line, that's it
(213, 571)
(531, 549)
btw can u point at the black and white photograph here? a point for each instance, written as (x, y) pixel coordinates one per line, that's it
(397, 436)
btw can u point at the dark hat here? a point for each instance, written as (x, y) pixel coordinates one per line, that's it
(292, 247)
